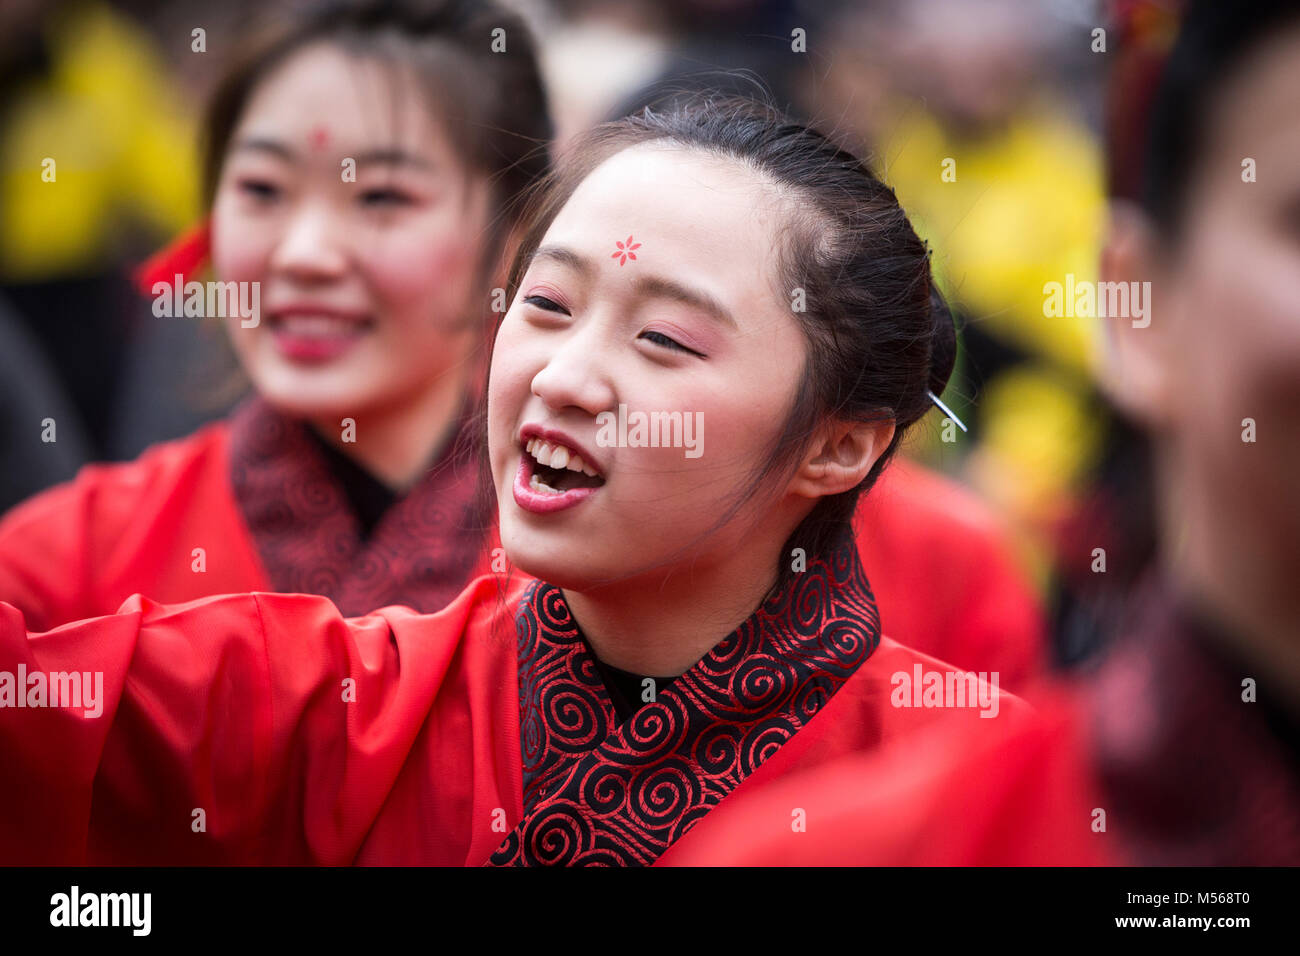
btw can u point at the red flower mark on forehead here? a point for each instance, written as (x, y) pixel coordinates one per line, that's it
(625, 251)
(319, 137)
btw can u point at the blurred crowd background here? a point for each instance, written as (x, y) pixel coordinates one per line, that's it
(1013, 91)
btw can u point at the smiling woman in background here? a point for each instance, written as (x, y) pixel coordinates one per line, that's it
(350, 472)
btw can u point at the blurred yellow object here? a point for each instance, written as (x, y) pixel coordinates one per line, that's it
(1039, 426)
(1005, 213)
(123, 150)
(1025, 206)
(1038, 443)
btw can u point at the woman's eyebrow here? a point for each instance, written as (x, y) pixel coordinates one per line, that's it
(386, 156)
(650, 286)
(394, 156)
(261, 144)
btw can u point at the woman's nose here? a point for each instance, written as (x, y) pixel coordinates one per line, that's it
(577, 375)
(310, 247)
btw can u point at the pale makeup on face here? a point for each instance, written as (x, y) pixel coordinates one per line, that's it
(694, 324)
(368, 305)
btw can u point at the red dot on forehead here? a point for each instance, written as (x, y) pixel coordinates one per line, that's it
(319, 137)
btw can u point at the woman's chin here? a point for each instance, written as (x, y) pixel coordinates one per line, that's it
(319, 395)
(554, 562)
(552, 572)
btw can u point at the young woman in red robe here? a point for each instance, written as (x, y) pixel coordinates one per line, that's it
(363, 166)
(685, 627)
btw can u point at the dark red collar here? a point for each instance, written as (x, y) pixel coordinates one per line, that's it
(420, 553)
(601, 791)
(1195, 772)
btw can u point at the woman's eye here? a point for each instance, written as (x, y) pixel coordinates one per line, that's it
(259, 189)
(545, 304)
(384, 197)
(660, 339)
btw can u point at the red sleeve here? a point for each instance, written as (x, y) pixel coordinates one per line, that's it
(80, 549)
(235, 706)
(945, 576)
(45, 561)
(1001, 618)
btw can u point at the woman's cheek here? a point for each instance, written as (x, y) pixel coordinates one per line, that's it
(508, 390)
(241, 247)
(513, 365)
(431, 274)
(240, 253)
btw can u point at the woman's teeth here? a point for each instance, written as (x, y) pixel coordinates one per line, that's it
(537, 484)
(318, 326)
(556, 456)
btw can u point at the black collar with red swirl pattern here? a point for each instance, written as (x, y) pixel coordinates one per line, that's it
(598, 791)
(421, 552)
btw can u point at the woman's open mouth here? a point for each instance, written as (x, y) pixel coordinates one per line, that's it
(305, 336)
(552, 477)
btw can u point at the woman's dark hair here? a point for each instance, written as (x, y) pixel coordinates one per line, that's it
(492, 104)
(880, 339)
(1214, 40)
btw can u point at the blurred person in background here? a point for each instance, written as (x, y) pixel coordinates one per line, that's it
(1197, 731)
(605, 60)
(1184, 747)
(1007, 183)
(350, 470)
(96, 166)
(976, 123)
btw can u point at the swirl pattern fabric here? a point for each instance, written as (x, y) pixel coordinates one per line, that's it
(600, 792)
(420, 555)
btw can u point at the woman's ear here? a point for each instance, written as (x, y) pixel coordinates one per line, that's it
(841, 457)
(1135, 373)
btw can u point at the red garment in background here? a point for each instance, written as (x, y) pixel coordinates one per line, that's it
(1175, 753)
(1193, 745)
(256, 496)
(955, 795)
(944, 575)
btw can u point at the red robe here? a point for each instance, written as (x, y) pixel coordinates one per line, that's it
(948, 583)
(258, 497)
(269, 729)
